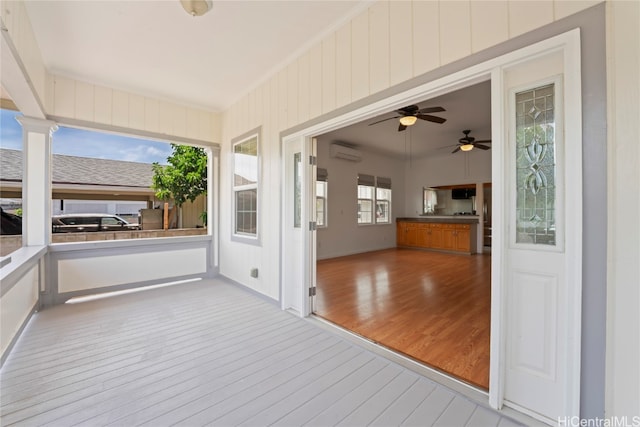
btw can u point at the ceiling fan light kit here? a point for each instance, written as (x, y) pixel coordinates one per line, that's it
(196, 7)
(410, 114)
(468, 143)
(408, 120)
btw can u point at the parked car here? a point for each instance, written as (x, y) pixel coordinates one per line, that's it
(11, 224)
(80, 223)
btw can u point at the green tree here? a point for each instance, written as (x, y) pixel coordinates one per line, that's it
(184, 177)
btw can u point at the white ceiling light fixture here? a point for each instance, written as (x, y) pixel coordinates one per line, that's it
(466, 147)
(408, 120)
(196, 7)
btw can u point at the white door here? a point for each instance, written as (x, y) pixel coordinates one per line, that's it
(298, 244)
(540, 167)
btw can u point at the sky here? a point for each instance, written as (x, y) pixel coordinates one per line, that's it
(85, 143)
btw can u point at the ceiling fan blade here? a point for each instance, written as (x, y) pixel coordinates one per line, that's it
(456, 150)
(431, 110)
(384, 120)
(401, 127)
(482, 147)
(430, 118)
(484, 141)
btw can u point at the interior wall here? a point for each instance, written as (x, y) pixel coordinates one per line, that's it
(445, 169)
(344, 236)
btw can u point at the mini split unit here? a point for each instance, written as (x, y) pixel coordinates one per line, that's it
(347, 153)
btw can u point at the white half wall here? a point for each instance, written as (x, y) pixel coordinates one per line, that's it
(16, 305)
(79, 274)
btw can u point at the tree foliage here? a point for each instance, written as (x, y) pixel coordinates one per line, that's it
(184, 177)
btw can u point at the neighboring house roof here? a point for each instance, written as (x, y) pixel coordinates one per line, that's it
(82, 170)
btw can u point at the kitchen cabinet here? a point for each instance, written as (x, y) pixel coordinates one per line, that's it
(453, 237)
(407, 234)
(429, 236)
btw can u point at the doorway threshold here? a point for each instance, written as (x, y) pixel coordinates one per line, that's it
(471, 392)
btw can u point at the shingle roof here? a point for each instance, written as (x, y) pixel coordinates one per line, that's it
(82, 170)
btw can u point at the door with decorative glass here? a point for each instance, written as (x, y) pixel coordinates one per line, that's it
(540, 169)
(298, 225)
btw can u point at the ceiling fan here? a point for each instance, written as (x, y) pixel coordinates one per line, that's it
(467, 143)
(410, 114)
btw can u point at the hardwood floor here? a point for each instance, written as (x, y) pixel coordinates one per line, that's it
(431, 306)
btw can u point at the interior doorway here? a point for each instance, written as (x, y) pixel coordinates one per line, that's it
(535, 283)
(434, 307)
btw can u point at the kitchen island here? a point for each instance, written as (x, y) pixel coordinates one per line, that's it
(450, 233)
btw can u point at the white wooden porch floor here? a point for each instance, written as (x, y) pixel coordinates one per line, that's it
(210, 353)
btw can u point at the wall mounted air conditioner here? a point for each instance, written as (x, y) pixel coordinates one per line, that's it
(347, 153)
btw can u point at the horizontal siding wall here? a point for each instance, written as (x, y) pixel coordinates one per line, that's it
(90, 103)
(387, 44)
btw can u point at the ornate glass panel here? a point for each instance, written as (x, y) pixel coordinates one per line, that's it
(536, 166)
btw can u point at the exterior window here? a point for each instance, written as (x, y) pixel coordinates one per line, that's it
(321, 197)
(321, 203)
(245, 186)
(383, 205)
(383, 200)
(374, 200)
(366, 198)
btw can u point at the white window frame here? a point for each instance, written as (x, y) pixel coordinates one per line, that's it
(366, 181)
(324, 215)
(374, 183)
(251, 238)
(383, 184)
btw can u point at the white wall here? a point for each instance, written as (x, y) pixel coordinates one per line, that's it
(344, 236)
(623, 293)
(88, 103)
(349, 64)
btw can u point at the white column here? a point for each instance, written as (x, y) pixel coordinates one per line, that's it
(213, 175)
(36, 180)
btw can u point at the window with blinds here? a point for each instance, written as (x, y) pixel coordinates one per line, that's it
(322, 178)
(374, 199)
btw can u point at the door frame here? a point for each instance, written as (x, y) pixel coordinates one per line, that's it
(493, 69)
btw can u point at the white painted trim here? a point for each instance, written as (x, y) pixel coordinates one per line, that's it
(497, 348)
(493, 68)
(240, 237)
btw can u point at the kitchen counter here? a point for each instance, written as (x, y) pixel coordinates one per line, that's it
(444, 219)
(450, 233)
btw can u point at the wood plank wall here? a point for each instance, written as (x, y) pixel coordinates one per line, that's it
(390, 42)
